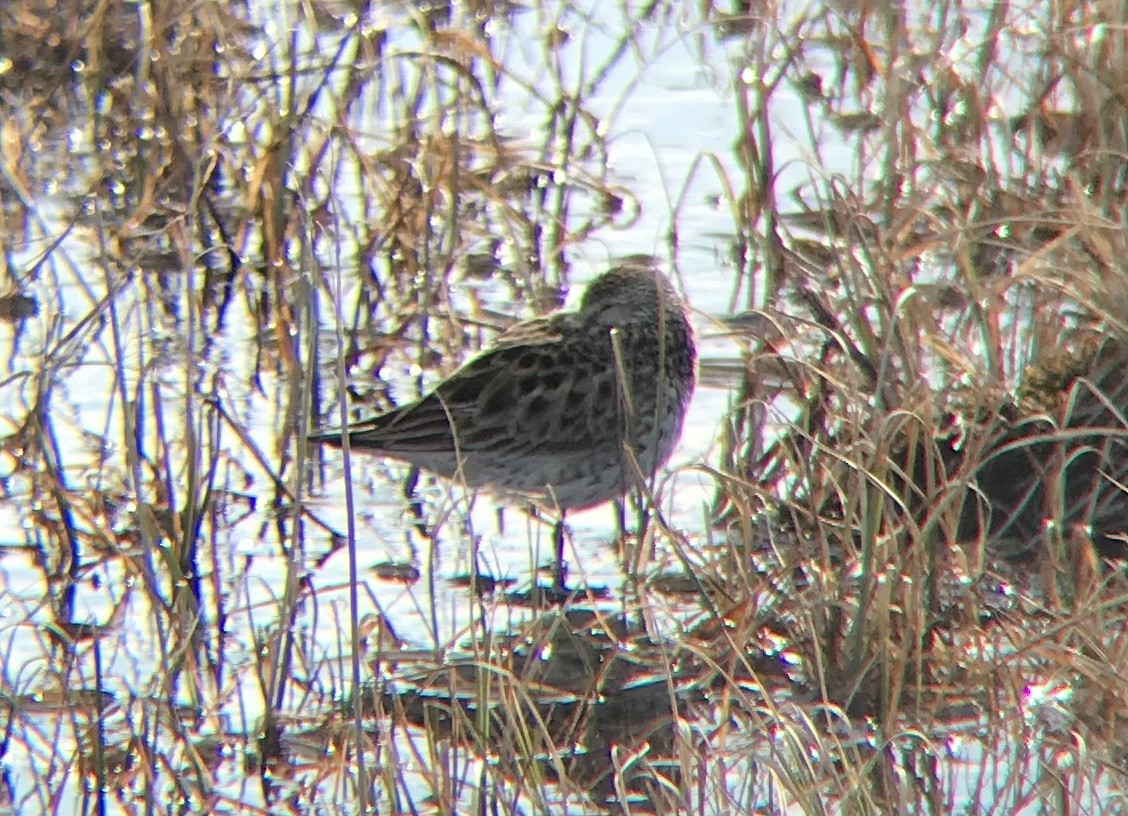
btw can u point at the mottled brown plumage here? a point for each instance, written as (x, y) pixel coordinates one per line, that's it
(552, 412)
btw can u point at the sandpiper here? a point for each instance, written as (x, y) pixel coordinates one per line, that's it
(567, 410)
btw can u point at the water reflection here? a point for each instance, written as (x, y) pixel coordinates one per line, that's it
(217, 220)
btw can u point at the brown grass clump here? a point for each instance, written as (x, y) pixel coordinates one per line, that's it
(937, 361)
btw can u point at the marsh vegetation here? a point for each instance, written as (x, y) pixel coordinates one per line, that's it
(884, 575)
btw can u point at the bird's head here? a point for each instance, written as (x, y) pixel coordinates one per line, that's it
(635, 290)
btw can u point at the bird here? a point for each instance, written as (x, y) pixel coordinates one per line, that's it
(565, 411)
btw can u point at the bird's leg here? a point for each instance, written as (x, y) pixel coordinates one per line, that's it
(620, 509)
(560, 569)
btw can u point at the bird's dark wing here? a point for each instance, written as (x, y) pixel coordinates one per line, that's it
(545, 389)
(535, 386)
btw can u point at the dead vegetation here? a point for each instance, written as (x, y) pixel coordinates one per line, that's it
(911, 597)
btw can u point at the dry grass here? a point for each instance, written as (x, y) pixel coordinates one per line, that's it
(912, 597)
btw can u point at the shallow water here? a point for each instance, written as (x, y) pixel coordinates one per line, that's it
(391, 186)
